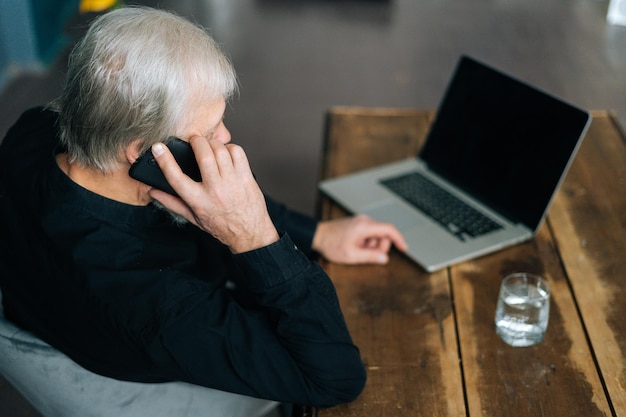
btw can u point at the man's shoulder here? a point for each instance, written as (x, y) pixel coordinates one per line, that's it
(34, 128)
(35, 118)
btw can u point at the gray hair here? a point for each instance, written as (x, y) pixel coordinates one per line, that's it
(134, 75)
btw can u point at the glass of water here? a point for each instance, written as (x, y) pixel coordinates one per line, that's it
(523, 309)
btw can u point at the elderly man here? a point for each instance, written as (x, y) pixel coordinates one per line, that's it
(211, 286)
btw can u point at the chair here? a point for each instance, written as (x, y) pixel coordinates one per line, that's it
(58, 387)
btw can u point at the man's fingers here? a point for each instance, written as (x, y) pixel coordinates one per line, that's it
(397, 239)
(369, 256)
(173, 204)
(166, 161)
(394, 236)
(218, 159)
(240, 159)
(387, 231)
(221, 158)
(381, 243)
(179, 181)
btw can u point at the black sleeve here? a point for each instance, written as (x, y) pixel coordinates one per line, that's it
(300, 227)
(294, 347)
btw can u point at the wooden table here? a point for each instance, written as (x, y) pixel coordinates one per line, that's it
(428, 340)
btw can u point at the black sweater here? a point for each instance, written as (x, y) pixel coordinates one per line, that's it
(128, 294)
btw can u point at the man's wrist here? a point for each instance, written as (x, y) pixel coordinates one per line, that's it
(272, 264)
(260, 239)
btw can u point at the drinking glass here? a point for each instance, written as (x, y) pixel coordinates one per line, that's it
(523, 309)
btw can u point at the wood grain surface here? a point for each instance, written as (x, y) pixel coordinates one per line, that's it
(428, 340)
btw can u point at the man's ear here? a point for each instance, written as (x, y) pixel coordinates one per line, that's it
(132, 151)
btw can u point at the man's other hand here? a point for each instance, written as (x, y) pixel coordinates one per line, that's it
(357, 240)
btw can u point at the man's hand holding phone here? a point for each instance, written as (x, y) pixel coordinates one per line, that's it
(228, 203)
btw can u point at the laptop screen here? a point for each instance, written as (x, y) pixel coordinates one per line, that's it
(502, 141)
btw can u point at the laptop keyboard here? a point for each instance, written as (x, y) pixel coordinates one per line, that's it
(449, 211)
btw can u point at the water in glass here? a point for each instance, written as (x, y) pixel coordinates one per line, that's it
(523, 310)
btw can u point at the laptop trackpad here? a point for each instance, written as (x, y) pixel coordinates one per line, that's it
(403, 217)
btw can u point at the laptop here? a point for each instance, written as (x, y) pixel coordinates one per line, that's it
(492, 162)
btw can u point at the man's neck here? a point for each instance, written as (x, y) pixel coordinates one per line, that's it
(116, 185)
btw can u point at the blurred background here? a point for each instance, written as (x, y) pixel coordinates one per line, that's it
(298, 58)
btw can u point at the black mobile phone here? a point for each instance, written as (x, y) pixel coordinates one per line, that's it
(146, 169)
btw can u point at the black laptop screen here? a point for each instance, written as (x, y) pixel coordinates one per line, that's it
(503, 141)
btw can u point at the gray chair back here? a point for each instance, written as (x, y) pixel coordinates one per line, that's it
(58, 387)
